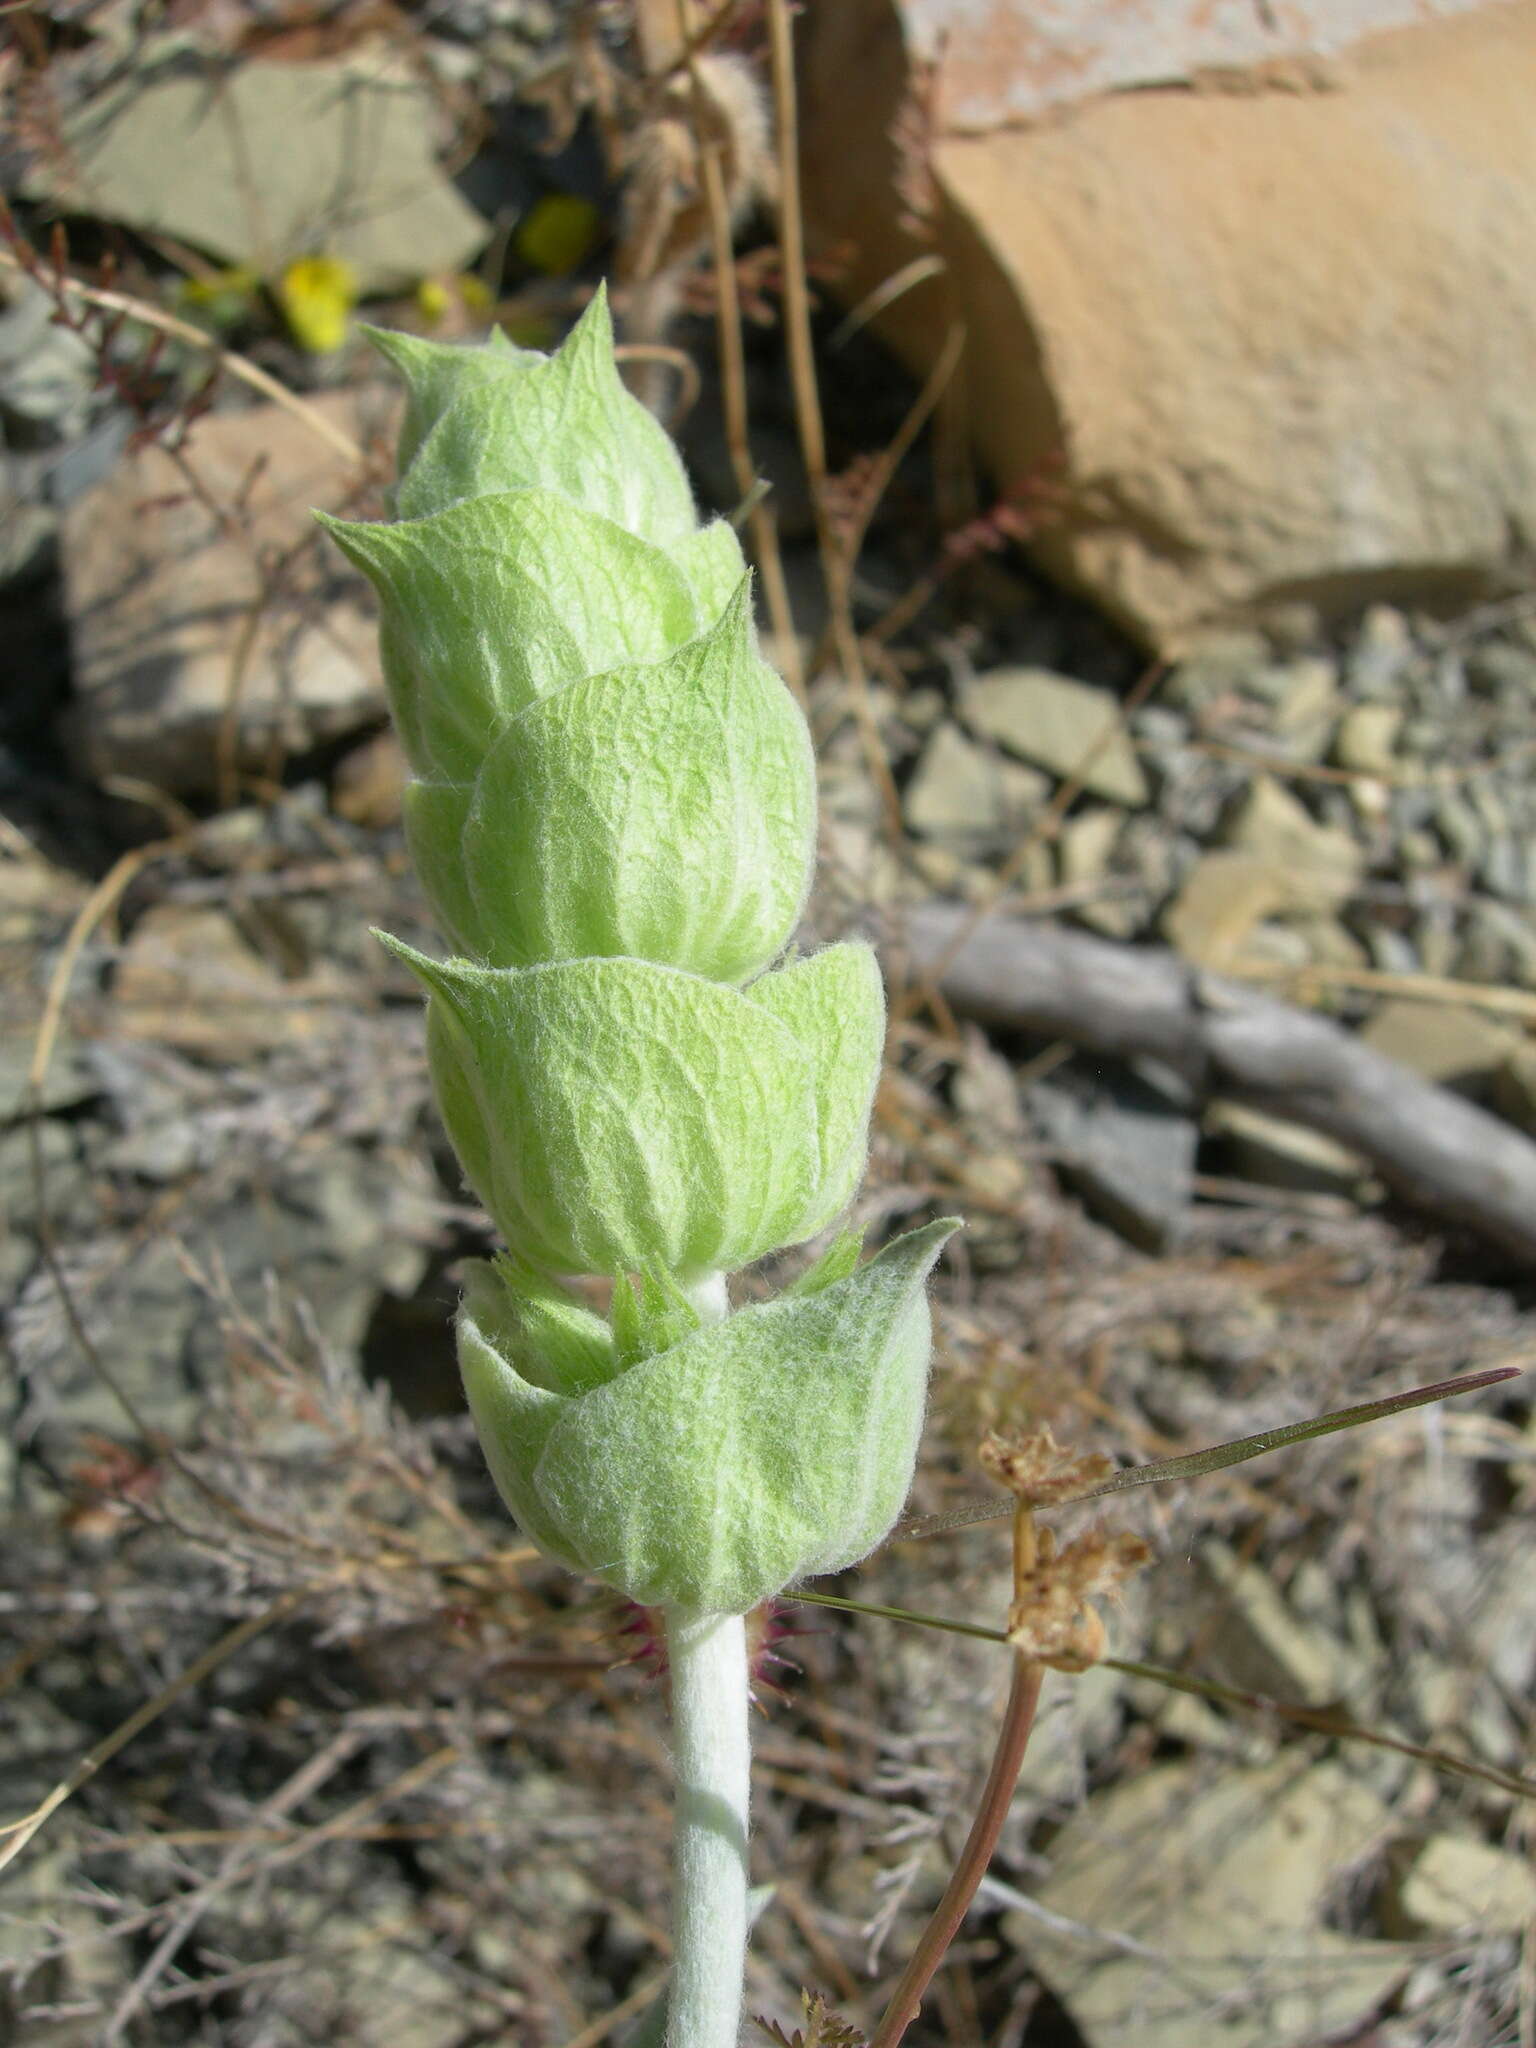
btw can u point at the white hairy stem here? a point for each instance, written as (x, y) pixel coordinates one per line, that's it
(709, 1297)
(711, 1752)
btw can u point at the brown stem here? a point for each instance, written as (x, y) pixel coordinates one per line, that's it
(1013, 1739)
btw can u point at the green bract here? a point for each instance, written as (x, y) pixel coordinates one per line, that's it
(616, 1116)
(614, 819)
(708, 1475)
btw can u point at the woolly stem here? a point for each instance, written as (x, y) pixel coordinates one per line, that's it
(709, 1298)
(708, 1660)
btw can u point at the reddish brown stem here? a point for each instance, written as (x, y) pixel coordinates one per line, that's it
(1012, 1741)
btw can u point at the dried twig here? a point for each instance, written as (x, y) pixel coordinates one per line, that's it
(836, 568)
(733, 389)
(1437, 1150)
(238, 366)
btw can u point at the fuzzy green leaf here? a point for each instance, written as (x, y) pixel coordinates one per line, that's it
(834, 1003)
(435, 373)
(616, 1116)
(560, 423)
(776, 1444)
(665, 812)
(496, 602)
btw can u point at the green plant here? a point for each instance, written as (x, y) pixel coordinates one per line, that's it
(614, 819)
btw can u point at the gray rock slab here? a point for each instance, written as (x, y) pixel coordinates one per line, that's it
(1070, 728)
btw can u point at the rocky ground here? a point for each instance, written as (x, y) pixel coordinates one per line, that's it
(420, 1800)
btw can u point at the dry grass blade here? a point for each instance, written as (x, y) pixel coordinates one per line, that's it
(238, 366)
(1195, 1464)
(16, 1834)
(733, 393)
(1322, 1721)
(1317, 1720)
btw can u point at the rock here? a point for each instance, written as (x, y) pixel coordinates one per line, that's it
(1366, 740)
(967, 798)
(1241, 422)
(68, 1082)
(188, 979)
(1278, 1153)
(1225, 897)
(1219, 663)
(1126, 1146)
(37, 902)
(1382, 650)
(281, 161)
(1086, 845)
(1306, 697)
(1322, 862)
(1452, 1883)
(1447, 1042)
(369, 784)
(1514, 1086)
(158, 594)
(1208, 1874)
(1070, 728)
(1504, 672)
(1259, 1643)
(47, 372)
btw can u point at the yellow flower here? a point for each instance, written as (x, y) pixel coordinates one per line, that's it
(317, 294)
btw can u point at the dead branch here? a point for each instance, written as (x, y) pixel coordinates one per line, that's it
(1438, 1151)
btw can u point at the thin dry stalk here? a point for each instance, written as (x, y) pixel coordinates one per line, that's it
(20, 1832)
(733, 384)
(836, 566)
(238, 366)
(1007, 1760)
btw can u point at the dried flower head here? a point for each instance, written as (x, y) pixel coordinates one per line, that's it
(1050, 1618)
(1035, 1468)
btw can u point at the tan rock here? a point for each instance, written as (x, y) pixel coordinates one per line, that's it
(1071, 728)
(1366, 740)
(1086, 845)
(1454, 1882)
(1448, 1042)
(1278, 1153)
(369, 785)
(173, 631)
(1322, 862)
(1278, 335)
(188, 979)
(1225, 897)
(1201, 1874)
(970, 797)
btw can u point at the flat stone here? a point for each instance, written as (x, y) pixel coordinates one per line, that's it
(1124, 1145)
(1452, 1043)
(1366, 740)
(1086, 844)
(967, 797)
(1259, 1642)
(1224, 897)
(1058, 724)
(1454, 1882)
(1323, 862)
(1278, 1153)
(188, 979)
(284, 159)
(158, 594)
(1306, 695)
(1210, 1870)
(69, 1081)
